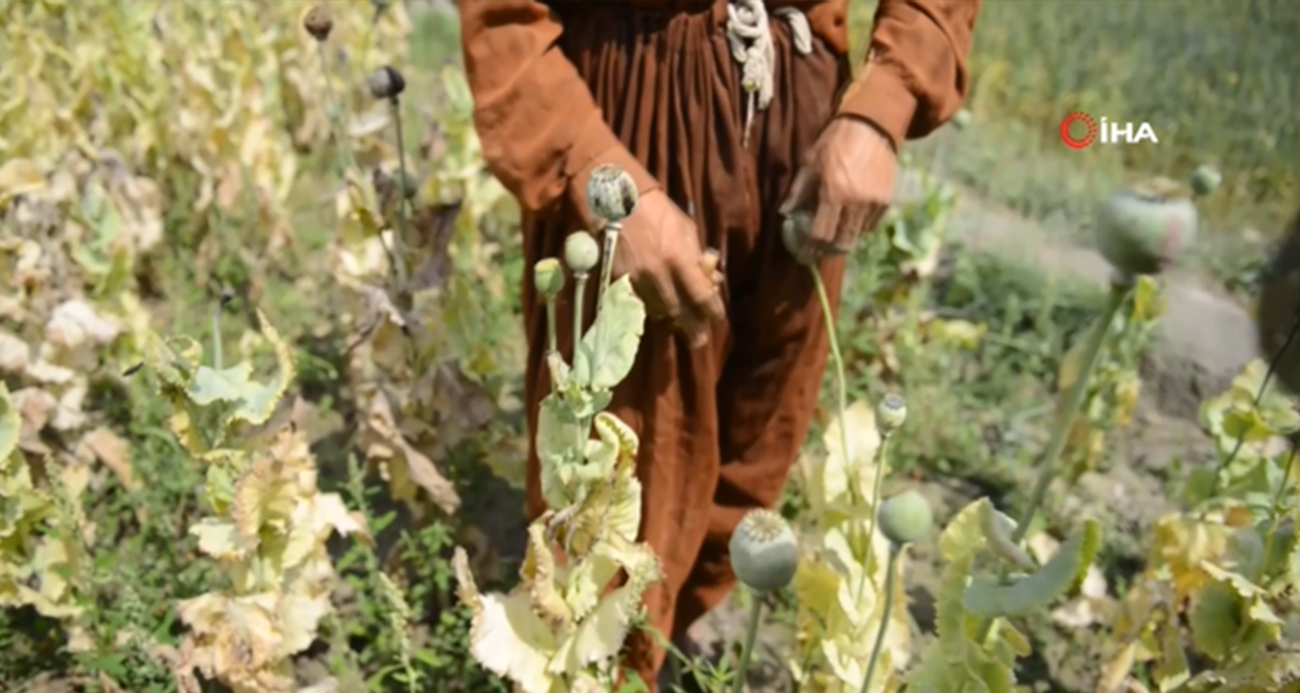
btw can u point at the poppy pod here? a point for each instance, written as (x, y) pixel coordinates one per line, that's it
(961, 119)
(386, 83)
(1142, 228)
(891, 412)
(905, 518)
(318, 22)
(611, 193)
(764, 552)
(795, 228)
(1206, 179)
(548, 277)
(581, 253)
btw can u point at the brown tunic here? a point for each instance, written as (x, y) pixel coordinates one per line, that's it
(564, 86)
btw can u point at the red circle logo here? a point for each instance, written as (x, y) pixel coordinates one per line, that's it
(1089, 134)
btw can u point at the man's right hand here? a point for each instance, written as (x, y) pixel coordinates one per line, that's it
(659, 250)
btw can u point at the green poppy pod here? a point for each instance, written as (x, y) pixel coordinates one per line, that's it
(581, 253)
(764, 552)
(548, 277)
(905, 518)
(1141, 229)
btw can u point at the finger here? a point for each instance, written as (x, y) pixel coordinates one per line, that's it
(697, 332)
(803, 192)
(701, 304)
(821, 237)
(711, 266)
(874, 217)
(710, 262)
(660, 299)
(852, 222)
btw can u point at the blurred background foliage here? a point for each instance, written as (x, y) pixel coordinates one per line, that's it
(1219, 81)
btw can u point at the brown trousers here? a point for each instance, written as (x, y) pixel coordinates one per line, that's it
(720, 426)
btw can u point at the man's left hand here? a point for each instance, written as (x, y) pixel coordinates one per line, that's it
(846, 183)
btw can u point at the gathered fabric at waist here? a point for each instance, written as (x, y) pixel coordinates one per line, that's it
(827, 19)
(747, 27)
(679, 5)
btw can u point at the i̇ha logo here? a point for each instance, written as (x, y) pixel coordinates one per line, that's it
(1079, 131)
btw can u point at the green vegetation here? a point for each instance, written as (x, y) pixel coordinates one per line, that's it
(1215, 78)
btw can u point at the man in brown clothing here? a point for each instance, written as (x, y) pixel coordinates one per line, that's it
(740, 111)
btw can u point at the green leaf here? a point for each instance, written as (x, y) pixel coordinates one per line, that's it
(1199, 485)
(1279, 414)
(1246, 550)
(1172, 669)
(608, 350)
(560, 443)
(1262, 672)
(254, 402)
(990, 598)
(998, 529)
(1281, 553)
(1212, 412)
(227, 385)
(430, 658)
(112, 666)
(633, 684)
(174, 359)
(559, 436)
(1216, 619)
(584, 404)
(1244, 423)
(954, 661)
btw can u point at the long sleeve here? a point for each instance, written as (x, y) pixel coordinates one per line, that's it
(540, 128)
(916, 77)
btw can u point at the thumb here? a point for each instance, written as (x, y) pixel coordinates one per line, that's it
(803, 192)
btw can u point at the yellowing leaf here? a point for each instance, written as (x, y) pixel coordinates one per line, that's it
(816, 585)
(510, 640)
(19, 177)
(236, 638)
(409, 468)
(1183, 544)
(963, 334)
(609, 348)
(263, 498)
(831, 482)
(1068, 372)
(219, 539)
(10, 423)
(112, 451)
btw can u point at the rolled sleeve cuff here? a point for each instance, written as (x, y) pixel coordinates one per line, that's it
(597, 148)
(882, 98)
